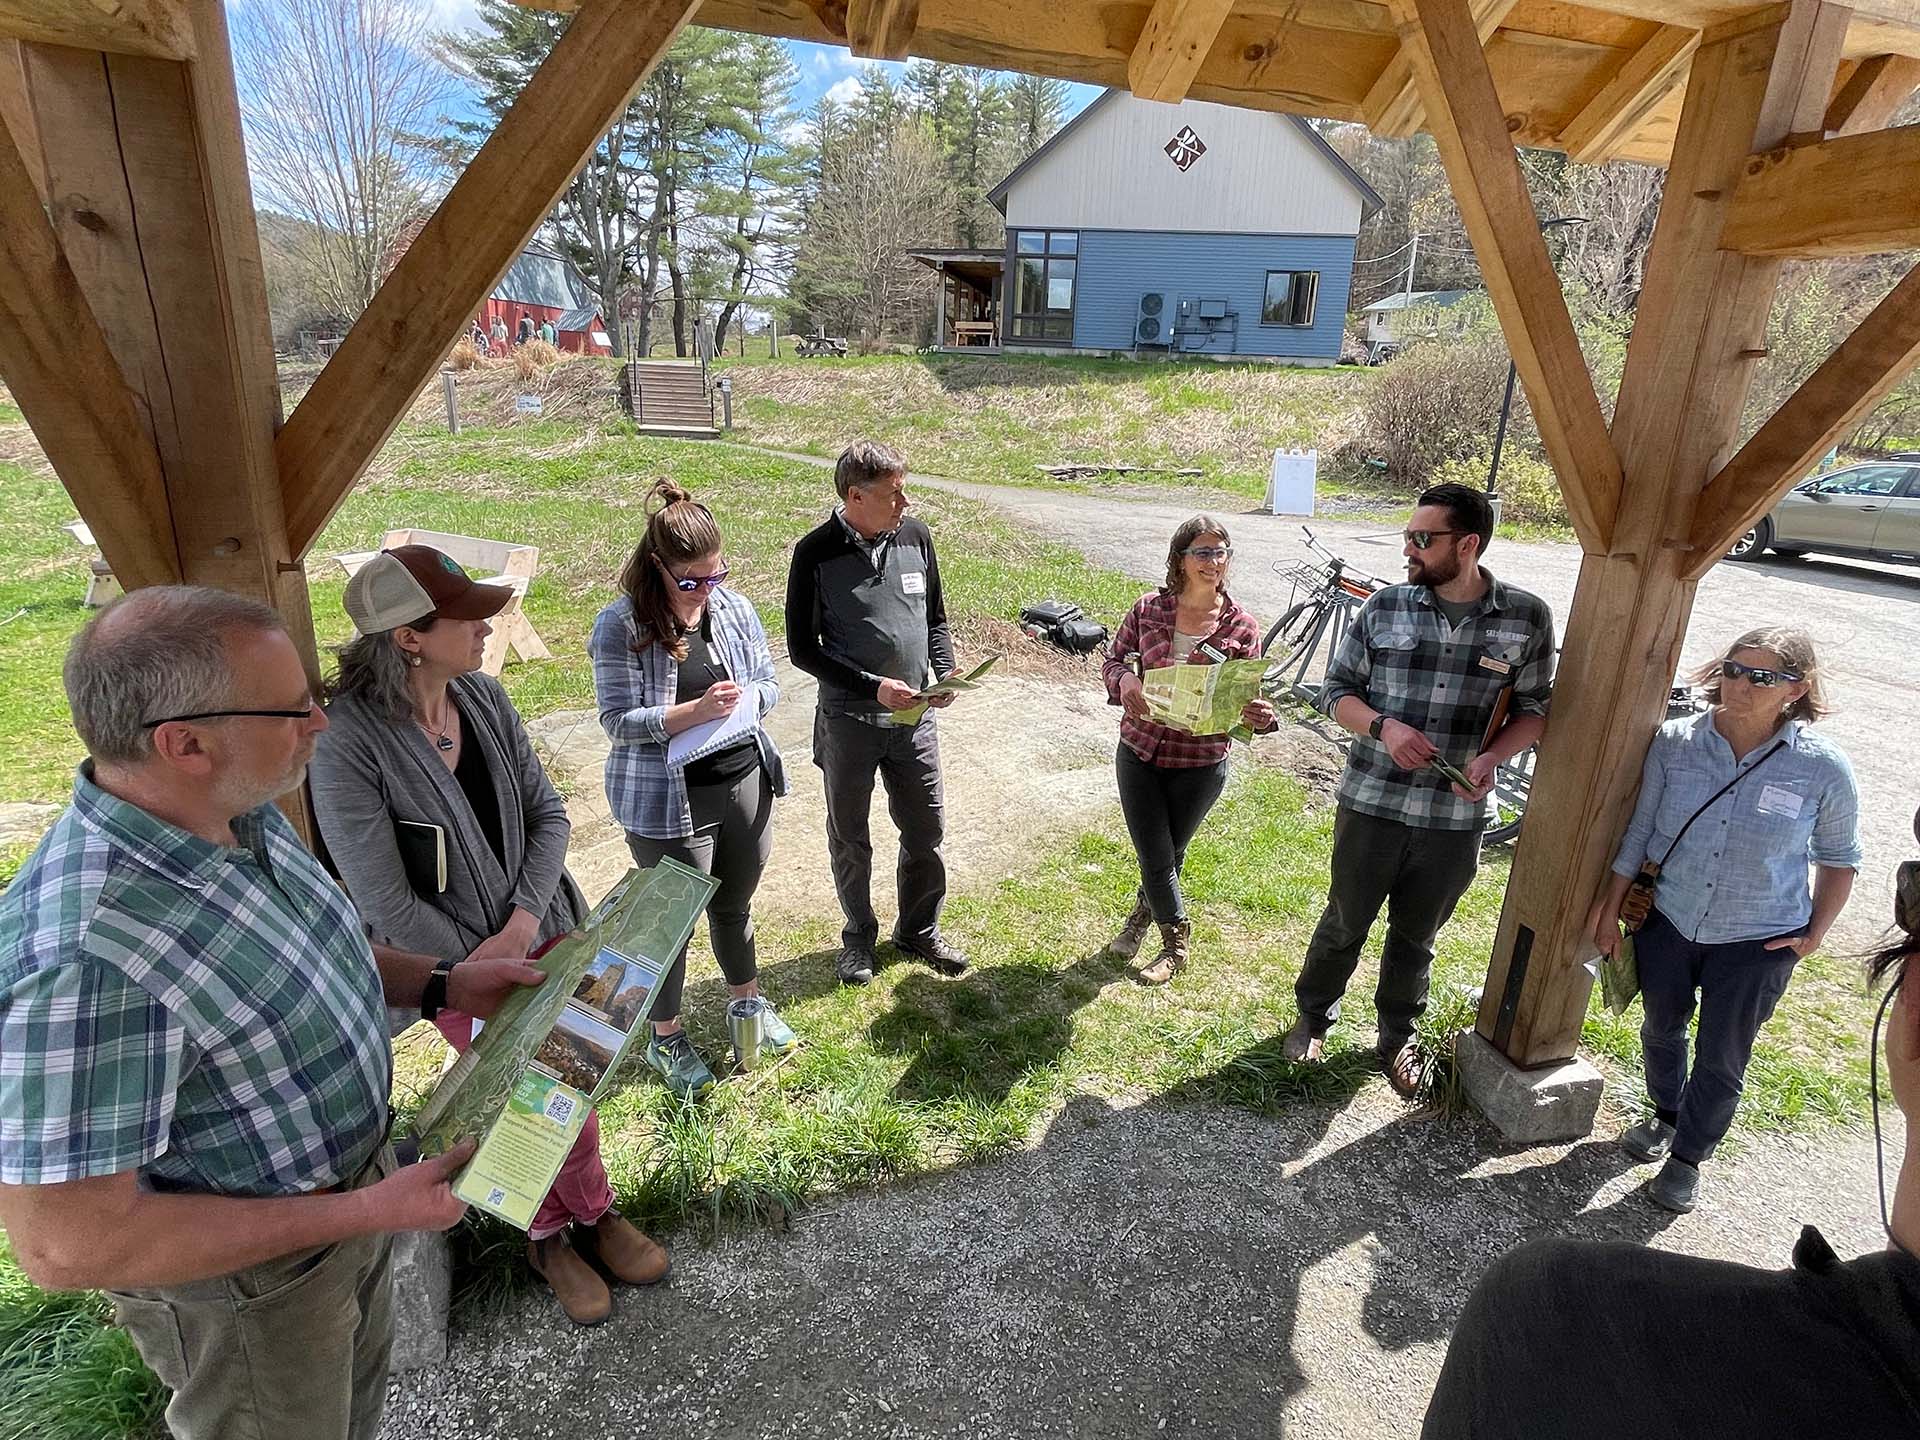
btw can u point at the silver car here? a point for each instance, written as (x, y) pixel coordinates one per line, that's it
(1870, 511)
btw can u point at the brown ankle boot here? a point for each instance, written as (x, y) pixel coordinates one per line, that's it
(581, 1292)
(629, 1256)
(1127, 943)
(1172, 959)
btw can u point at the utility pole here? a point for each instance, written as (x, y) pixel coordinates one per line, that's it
(1413, 258)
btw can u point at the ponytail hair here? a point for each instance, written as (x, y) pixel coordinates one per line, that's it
(679, 530)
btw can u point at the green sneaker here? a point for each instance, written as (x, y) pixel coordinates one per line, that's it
(679, 1064)
(776, 1036)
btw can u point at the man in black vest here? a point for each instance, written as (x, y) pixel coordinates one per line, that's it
(866, 618)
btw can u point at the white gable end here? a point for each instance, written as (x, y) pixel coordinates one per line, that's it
(1257, 175)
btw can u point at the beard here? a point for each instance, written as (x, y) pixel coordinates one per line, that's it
(1433, 573)
(240, 794)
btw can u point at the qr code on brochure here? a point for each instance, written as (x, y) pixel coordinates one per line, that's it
(496, 1196)
(560, 1109)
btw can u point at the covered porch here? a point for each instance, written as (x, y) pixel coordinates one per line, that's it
(969, 316)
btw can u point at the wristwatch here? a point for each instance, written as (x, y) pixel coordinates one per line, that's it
(1379, 723)
(433, 995)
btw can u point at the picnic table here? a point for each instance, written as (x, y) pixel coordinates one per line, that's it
(808, 346)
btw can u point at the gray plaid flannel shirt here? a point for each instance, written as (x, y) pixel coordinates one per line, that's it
(211, 1017)
(1402, 657)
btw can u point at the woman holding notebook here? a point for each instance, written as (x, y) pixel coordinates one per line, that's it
(453, 843)
(684, 681)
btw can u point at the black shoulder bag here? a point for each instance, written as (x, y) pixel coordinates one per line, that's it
(1637, 904)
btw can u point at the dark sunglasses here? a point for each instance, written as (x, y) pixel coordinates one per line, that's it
(687, 584)
(1423, 539)
(1763, 679)
(224, 714)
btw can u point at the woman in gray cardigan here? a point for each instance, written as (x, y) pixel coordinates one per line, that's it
(415, 734)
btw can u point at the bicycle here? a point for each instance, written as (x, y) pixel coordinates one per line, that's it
(1335, 593)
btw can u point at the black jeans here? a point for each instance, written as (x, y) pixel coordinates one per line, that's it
(1420, 875)
(1164, 807)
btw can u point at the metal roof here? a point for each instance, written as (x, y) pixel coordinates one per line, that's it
(1402, 300)
(539, 276)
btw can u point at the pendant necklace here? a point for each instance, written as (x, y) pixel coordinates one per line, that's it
(442, 739)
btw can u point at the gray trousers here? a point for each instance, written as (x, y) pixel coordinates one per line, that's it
(293, 1346)
(907, 758)
(732, 837)
(1420, 875)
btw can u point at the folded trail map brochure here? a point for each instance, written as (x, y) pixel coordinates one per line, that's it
(952, 685)
(551, 1050)
(1204, 699)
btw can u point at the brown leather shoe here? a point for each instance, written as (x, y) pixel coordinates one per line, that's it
(1301, 1046)
(628, 1255)
(1175, 941)
(579, 1289)
(1402, 1069)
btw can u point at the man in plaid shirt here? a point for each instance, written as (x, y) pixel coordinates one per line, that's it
(1454, 666)
(194, 1063)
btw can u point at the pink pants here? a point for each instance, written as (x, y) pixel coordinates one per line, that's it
(580, 1192)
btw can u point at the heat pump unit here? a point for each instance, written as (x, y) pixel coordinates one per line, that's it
(1150, 325)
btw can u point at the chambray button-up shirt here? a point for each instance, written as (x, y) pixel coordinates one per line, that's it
(1740, 872)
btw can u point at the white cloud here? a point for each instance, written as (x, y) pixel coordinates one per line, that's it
(453, 14)
(845, 92)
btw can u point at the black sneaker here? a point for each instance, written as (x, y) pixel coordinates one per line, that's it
(856, 965)
(945, 958)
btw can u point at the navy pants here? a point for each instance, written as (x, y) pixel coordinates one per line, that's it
(1737, 985)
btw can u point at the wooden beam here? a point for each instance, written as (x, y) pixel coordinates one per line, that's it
(1862, 372)
(1172, 47)
(607, 50)
(1392, 106)
(1868, 98)
(1471, 133)
(159, 28)
(881, 29)
(1679, 410)
(1854, 195)
(56, 361)
(1622, 105)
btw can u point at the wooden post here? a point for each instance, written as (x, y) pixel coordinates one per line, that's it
(1753, 83)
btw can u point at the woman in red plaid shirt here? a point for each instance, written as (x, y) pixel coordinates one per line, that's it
(1168, 778)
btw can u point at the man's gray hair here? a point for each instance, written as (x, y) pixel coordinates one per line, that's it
(155, 652)
(866, 462)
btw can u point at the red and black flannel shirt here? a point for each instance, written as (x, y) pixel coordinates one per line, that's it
(1148, 633)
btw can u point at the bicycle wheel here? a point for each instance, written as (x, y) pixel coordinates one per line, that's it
(1512, 784)
(1291, 634)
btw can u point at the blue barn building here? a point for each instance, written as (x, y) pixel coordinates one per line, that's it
(1153, 229)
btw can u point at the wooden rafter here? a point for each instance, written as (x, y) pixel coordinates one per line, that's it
(1471, 133)
(607, 50)
(1392, 106)
(1621, 106)
(1854, 195)
(63, 373)
(1868, 364)
(1170, 50)
(159, 28)
(1868, 97)
(881, 29)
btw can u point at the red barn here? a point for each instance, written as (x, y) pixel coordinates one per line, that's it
(541, 285)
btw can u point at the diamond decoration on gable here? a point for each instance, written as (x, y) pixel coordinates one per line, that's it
(1185, 148)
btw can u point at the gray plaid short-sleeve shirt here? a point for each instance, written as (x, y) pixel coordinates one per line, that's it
(209, 1016)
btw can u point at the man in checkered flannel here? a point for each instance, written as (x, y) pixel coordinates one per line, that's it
(194, 1064)
(1453, 666)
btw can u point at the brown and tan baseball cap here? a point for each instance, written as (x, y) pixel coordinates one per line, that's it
(411, 582)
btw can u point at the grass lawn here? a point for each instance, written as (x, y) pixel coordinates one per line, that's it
(913, 1073)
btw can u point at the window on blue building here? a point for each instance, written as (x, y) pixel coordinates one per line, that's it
(1044, 265)
(1290, 297)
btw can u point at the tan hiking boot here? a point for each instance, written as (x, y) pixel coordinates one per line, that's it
(580, 1291)
(630, 1256)
(1301, 1046)
(1126, 944)
(1402, 1069)
(1172, 959)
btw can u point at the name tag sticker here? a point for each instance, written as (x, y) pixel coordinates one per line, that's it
(1775, 801)
(1498, 667)
(914, 582)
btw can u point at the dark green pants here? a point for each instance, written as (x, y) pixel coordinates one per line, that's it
(1419, 875)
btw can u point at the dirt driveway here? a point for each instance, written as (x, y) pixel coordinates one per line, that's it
(1862, 616)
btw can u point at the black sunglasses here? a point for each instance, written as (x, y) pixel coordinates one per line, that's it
(224, 714)
(687, 584)
(1423, 539)
(1763, 679)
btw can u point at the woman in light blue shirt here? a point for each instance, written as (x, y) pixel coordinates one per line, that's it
(1734, 806)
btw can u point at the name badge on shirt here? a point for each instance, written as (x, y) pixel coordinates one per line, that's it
(1498, 667)
(1775, 801)
(914, 582)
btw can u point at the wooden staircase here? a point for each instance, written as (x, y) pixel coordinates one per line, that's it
(669, 397)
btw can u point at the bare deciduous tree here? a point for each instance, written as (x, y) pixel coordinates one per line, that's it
(339, 95)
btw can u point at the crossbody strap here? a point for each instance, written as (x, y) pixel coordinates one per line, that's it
(1778, 746)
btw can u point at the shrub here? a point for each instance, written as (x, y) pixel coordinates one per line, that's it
(535, 355)
(1528, 488)
(1438, 401)
(463, 356)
